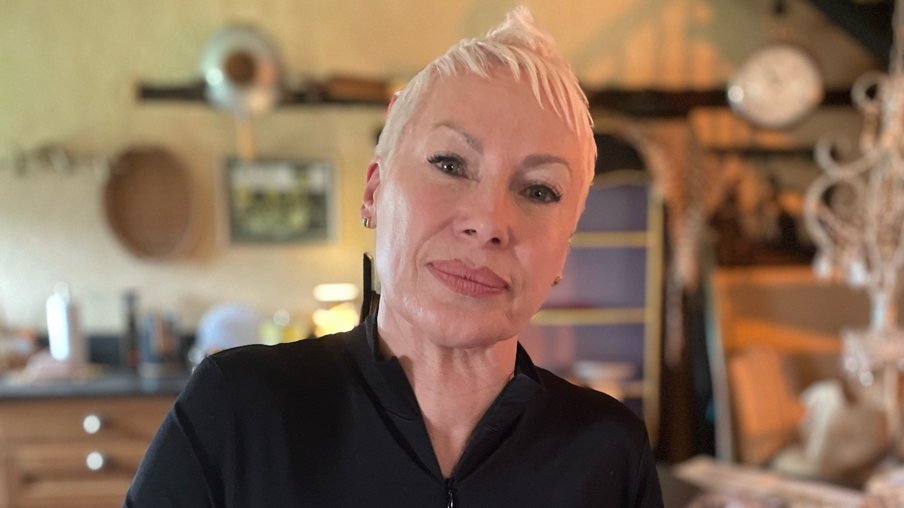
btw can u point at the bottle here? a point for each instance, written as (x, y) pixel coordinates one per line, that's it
(129, 357)
(158, 347)
(66, 341)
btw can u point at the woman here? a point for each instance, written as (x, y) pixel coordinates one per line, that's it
(477, 183)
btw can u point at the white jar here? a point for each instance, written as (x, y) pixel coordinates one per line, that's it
(66, 341)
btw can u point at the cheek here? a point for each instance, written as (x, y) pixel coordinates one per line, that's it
(409, 215)
(547, 256)
(392, 214)
(542, 258)
(430, 207)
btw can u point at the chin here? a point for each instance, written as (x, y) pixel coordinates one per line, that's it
(459, 327)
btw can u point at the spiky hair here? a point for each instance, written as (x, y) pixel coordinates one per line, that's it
(526, 51)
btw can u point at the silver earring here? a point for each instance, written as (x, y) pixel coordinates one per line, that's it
(367, 222)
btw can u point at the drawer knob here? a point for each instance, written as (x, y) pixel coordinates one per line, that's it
(92, 423)
(95, 461)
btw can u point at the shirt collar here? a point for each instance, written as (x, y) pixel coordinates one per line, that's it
(387, 373)
(386, 381)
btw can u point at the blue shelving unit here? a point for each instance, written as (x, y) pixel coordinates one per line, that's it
(608, 306)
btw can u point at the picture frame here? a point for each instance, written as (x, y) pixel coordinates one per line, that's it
(279, 201)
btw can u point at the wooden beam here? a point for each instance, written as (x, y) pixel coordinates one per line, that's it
(678, 103)
(868, 23)
(637, 103)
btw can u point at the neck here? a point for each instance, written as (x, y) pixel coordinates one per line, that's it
(454, 387)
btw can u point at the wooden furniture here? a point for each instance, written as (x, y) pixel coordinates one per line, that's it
(78, 444)
(74, 452)
(772, 331)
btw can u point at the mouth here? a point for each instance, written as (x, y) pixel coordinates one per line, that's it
(464, 280)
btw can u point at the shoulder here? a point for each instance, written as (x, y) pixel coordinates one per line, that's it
(582, 409)
(259, 359)
(305, 367)
(608, 436)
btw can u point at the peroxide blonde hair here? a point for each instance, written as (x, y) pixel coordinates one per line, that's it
(526, 51)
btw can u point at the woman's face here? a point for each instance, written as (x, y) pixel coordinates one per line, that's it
(474, 215)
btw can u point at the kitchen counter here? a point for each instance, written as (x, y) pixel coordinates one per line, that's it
(77, 443)
(111, 384)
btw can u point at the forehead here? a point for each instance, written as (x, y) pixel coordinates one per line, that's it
(498, 110)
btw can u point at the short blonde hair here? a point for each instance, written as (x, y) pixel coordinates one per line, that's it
(518, 44)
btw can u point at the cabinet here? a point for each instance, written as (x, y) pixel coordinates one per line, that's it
(606, 312)
(74, 452)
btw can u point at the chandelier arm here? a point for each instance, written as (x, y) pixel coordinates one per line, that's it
(860, 96)
(842, 171)
(899, 251)
(871, 230)
(812, 205)
(835, 231)
(813, 201)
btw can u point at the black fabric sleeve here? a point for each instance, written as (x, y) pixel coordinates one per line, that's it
(647, 491)
(190, 461)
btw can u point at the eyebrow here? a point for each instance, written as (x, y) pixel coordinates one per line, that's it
(531, 161)
(539, 159)
(471, 139)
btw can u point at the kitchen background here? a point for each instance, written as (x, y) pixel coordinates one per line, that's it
(718, 364)
(69, 73)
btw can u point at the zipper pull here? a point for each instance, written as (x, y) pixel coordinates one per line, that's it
(450, 503)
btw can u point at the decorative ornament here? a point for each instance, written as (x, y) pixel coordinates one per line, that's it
(242, 74)
(855, 214)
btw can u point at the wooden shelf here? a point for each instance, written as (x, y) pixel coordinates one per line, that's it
(650, 103)
(315, 94)
(661, 103)
(609, 239)
(593, 316)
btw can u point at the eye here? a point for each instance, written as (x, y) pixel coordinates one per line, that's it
(447, 163)
(542, 194)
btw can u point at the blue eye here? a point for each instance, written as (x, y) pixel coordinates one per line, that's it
(447, 163)
(542, 194)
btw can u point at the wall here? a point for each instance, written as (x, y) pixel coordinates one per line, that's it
(68, 72)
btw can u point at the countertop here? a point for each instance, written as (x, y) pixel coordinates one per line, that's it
(110, 384)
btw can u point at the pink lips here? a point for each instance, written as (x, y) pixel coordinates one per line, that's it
(462, 279)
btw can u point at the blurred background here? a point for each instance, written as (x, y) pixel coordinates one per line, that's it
(182, 176)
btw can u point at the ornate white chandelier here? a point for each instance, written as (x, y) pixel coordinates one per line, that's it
(855, 213)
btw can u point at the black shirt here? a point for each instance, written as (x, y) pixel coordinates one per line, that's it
(330, 423)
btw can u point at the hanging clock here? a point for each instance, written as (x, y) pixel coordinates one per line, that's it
(777, 86)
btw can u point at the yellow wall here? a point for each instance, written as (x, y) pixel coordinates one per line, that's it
(68, 71)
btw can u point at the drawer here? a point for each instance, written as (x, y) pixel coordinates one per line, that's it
(90, 419)
(58, 475)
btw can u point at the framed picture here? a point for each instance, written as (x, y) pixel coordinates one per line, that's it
(279, 201)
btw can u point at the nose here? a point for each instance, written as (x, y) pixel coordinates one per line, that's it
(487, 219)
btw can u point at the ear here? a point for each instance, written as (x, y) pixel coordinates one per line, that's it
(369, 205)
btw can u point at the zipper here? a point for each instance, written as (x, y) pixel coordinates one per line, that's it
(450, 481)
(450, 493)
